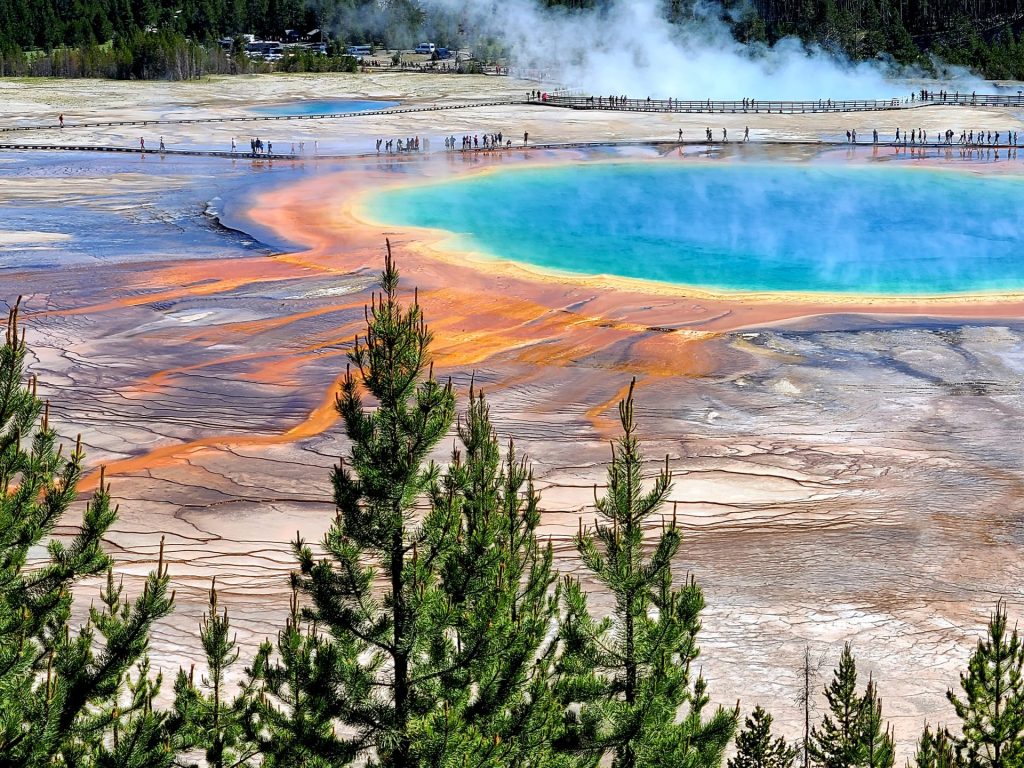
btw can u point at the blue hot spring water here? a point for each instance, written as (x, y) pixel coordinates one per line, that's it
(741, 227)
(324, 107)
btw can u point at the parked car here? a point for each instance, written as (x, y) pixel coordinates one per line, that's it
(426, 48)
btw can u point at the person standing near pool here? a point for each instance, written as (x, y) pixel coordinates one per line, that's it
(232, 145)
(60, 119)
(526, 138)
(142, 143)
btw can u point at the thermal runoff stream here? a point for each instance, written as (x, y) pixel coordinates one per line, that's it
(738, 227)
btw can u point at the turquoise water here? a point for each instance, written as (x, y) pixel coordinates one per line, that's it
(324, 107)
(744, 227)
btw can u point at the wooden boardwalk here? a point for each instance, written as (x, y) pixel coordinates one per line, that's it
(666, 145)
(677, 106)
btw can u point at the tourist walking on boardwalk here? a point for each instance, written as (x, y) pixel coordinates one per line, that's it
(232, 145)
(526, 138)
(60, 119)
(725, 135)
(142, 143)
(874, 135)
(680, 136)
(746, 134)
(854, 132)
(162, 147)
(847, 137)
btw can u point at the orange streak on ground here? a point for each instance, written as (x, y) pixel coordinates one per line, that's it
(321, 418)
(206, 281)
(246, 329)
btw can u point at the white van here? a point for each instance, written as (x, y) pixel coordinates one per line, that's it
(427, 48)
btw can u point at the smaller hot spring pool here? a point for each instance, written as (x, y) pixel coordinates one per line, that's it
(324, 107)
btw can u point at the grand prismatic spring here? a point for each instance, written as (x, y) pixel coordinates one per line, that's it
(828, 340)
(740, 227)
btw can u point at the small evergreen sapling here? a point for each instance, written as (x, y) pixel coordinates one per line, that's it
(878, 747)
(204, 715)
(935, 750)
(758, 747)
(853, 733)
(991, 709)
(627, 680)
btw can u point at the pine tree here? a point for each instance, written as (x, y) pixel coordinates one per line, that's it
(877, 746)
(757, 747)
(992, 708)
(204, 715)
(74, 699)
(292, 700)
(498, 707)
(631, 673)
(379, 639)
(424, 633)
(935, 750)
(852, 734)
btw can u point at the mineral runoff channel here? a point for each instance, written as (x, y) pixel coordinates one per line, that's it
(845, 470)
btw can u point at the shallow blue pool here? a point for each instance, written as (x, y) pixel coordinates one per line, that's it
(324, 107)
(760, 227)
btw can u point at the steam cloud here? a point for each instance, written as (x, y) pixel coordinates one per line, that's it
(629, 47)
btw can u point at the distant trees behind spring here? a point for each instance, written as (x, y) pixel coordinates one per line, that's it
(161, 55)
(981, 34)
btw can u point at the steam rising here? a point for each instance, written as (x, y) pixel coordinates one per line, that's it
(629, 47)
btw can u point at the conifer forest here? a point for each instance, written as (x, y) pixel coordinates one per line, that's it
(171, 39)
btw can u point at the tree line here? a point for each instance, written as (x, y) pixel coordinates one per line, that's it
(160, 55)
(984, 35)
(428, 627)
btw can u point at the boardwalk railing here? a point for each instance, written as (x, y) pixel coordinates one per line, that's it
(755, 106)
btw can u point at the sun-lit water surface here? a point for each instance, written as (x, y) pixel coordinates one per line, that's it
(742, 227)
(324, 107)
